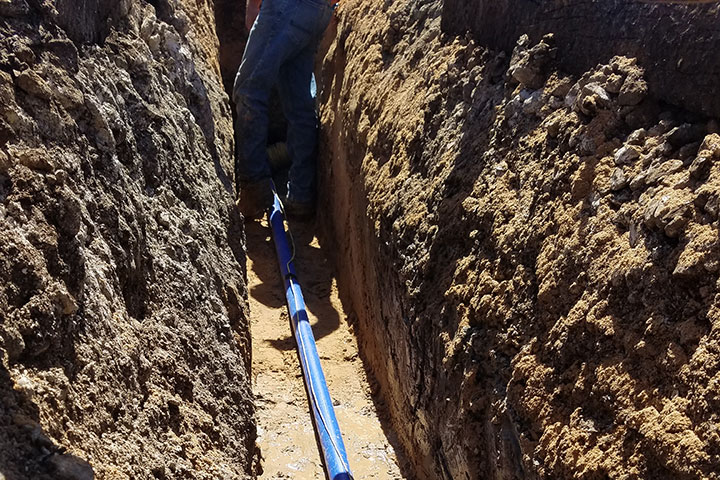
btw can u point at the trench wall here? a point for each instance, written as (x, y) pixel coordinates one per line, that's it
(674, 41)
(124, 334)
(531, 252)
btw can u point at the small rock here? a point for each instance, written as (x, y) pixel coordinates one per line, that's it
(154, 43)
(684, 134)
(663, 170)
(533, 103)
(189, 226)
(527, 64)
(592, 98)
(35, 158)
(598, 77)
(12, 341)
(670, 211)
(554, 103)
(662, 127)
(700, 167)
(562, 87)
(633, 91)
(65, 302)
(662, 150)
(708, 200)
(500, 168)
(60, 175)
(163, 219)
(618, 180)
(32, 83)
(614, 83)
(711, 143)
(623, 65)
(587, 145)
(626, 154)
(638, 181)
(553, 128)
(633, 235)
(637, 137)
(25, 54)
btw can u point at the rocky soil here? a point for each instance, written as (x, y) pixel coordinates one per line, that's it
(124, 335)
(676, 39)
(533, 256)
(526, 229)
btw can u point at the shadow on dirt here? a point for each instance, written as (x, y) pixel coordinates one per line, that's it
(26, 451)
(314, 272)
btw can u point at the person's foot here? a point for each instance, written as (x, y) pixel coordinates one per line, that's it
(296, 210)
(255, 198)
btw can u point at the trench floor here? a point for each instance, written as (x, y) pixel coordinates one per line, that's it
(285, 431)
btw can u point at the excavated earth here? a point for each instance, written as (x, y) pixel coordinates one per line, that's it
(124, 333)
(285, 429)
(525, 231)
(532, 254)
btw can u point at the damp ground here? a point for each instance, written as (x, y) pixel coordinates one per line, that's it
(285, 430)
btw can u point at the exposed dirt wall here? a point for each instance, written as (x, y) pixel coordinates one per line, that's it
(532, 257)
(674, 41)
(123, 330)
(230, 28)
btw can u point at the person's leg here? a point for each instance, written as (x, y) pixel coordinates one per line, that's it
(295, 85)
(268, 46)
(299, 106)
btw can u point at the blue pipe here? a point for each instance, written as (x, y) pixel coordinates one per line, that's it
(337, 466)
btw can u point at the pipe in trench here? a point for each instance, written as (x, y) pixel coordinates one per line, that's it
(326, 425)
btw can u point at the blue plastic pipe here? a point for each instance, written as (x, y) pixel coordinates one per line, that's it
(326, 426)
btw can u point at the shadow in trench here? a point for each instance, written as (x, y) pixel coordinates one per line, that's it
(314, 275)
(382, 411)
(25, 449)
(381, 408)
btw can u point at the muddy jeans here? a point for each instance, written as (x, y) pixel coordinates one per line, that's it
(280, 50)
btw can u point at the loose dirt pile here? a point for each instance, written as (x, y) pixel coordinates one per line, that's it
(533, 257)
(123, 332)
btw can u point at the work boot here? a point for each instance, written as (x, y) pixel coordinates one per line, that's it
(295, 210)
(255, 198)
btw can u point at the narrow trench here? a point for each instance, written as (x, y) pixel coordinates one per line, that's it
(285, 431)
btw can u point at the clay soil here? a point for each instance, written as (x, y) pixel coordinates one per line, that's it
(285, 430)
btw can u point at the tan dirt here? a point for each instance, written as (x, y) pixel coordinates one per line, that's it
(285, 430)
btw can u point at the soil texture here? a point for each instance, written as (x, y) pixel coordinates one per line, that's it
(124, 339)
(533, 256)
(285, 430)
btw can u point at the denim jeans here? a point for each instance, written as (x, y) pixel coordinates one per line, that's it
(280, 51)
